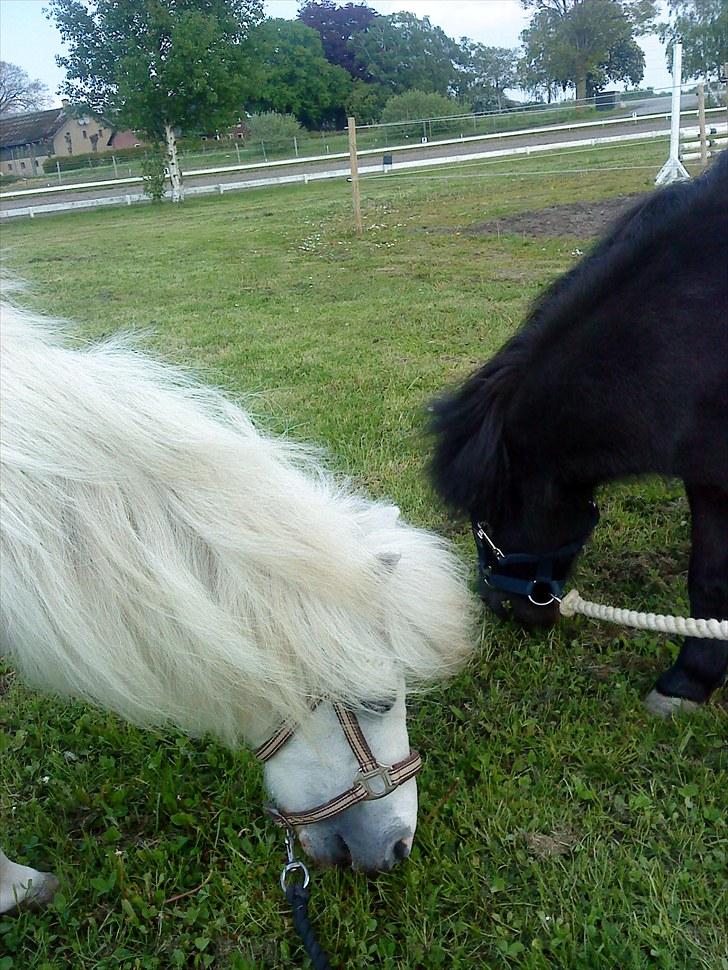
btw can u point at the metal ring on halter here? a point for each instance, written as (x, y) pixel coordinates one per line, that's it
(294, 866)
(368, 780)
(553, 598)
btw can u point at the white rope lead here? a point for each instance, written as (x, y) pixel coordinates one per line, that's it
(682, 626)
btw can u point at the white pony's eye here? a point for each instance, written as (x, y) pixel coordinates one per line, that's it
(378, 707)
(389, 559)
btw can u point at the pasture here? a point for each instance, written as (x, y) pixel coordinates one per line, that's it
(560, 825)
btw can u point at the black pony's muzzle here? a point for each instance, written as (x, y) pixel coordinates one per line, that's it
(532, 583)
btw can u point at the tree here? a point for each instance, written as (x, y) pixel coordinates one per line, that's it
(295, 76)
(702, 27)
(336, 26)
(401, 52)
(365, 102)
(158, 65)
(583, 43)
(486, 72)
(17, 92)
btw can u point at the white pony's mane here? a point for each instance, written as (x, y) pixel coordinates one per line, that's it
(162, 557)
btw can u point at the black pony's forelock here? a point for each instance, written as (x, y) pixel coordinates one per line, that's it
(470, 467)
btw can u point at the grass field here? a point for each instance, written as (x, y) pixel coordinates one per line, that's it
(560, 826)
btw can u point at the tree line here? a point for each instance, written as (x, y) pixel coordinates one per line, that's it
(161, 66)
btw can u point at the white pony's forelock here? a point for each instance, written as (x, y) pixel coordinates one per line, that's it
(164, 558)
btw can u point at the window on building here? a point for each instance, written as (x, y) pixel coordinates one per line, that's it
(10, 166)
(85, 134)
(22, 164)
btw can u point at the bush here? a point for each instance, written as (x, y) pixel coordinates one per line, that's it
(417, 105)
(154, 171)
(271, 127)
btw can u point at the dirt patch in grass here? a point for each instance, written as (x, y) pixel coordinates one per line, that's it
(559, 842)
(582, 220)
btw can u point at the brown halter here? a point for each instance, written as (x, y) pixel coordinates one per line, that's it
(372, 780)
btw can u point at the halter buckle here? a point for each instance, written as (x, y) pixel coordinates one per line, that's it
(377, 782)
(292, 863)
(484, 537)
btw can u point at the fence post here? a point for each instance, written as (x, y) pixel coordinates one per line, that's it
(116, 170)
(701, 122)
(265, 157)
(58, 169)
(673, 169)
(237, 150)
(354, 165)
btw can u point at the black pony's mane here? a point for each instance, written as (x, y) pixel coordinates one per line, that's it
(654, 220)
(470, 462)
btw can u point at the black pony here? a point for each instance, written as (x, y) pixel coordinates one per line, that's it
(621, 369)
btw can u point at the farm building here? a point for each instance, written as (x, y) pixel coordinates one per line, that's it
(28, 140)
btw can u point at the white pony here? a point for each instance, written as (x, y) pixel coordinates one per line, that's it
(164, 559)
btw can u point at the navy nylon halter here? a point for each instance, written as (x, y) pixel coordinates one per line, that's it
(548, 572)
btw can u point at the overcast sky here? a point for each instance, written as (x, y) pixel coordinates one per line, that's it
(28, 39)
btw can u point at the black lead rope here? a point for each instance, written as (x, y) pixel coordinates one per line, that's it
(298, 895)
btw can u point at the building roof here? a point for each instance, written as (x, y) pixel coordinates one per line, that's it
(16, 130)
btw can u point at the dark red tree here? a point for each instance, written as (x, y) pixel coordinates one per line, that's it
(337, 25)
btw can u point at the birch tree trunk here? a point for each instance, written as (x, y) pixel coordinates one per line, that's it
(175, 173)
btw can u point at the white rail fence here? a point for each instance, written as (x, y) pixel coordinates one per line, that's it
(716, 139)
(305, 177)
(392, 150)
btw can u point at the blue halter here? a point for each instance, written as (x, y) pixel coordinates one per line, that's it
(539, 577)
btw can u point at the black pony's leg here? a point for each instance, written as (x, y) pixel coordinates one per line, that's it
(701, 665)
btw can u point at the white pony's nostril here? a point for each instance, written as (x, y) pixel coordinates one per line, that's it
(402, 849)
(343, 856)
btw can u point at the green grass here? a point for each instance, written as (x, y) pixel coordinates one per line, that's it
(560, 826)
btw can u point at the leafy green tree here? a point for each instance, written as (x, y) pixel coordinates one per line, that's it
(365, 102)
(702, 26)
(158, 65)
(625, 61)
(17, 92)
(486, 72)
(402, 52)
(337, 25)
(584, 43)
(295, 77)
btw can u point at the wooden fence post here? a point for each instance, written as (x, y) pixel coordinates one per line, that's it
(354, 176)
(701, 123)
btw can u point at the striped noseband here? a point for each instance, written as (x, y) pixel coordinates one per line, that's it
(372, 780)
